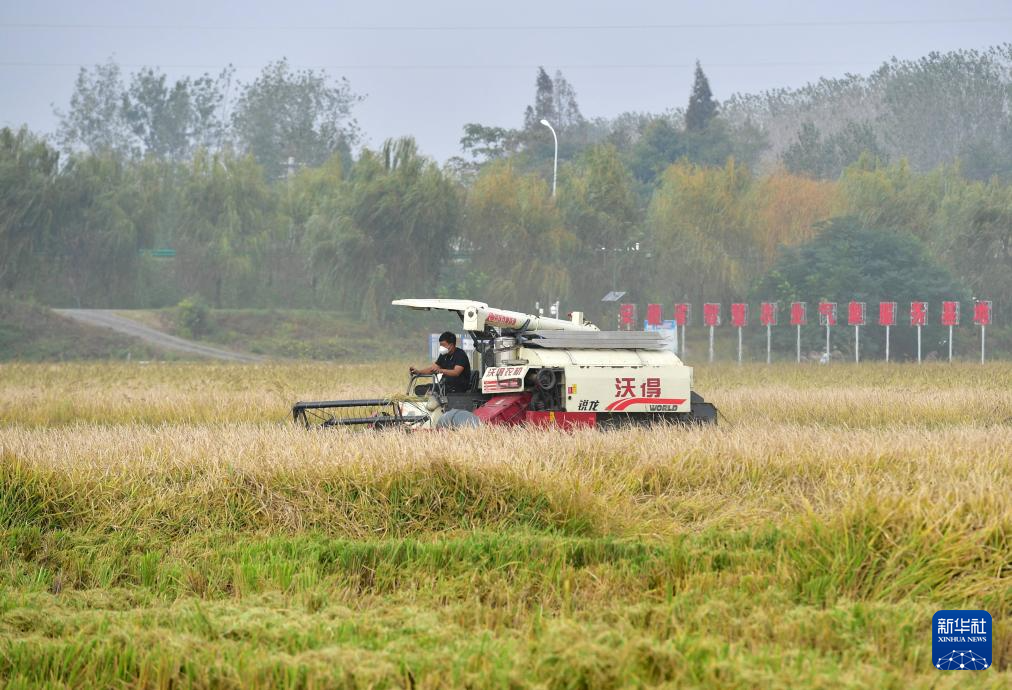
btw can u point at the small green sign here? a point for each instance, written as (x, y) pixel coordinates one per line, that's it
(162, 253)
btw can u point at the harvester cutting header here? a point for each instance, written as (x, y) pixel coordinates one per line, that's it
(530, 369)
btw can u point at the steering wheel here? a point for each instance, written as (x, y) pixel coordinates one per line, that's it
(438, 386)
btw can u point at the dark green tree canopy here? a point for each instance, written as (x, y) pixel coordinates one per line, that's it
(849, 261)
(660, 145)
(702, 108)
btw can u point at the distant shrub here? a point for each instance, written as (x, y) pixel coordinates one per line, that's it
(193, 316)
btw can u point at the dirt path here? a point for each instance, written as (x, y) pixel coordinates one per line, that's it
(107, 318)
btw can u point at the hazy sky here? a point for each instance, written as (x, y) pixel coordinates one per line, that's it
(426, 68)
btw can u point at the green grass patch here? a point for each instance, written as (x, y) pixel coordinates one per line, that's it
(503, 609)
(294, 333)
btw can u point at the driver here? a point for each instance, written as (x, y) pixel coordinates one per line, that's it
(452, 363)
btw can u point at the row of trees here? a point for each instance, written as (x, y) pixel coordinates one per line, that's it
(938, 110)
(669, 207)
(932, 111)
(284, 114)
(397, 224)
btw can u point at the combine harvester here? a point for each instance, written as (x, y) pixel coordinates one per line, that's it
(537, 371)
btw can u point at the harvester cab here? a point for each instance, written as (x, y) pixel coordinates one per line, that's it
(539, 371)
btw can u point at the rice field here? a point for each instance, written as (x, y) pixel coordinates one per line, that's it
(166, 526)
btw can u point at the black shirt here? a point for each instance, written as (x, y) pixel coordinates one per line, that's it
(455, 384)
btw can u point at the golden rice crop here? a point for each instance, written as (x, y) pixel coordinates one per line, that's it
(873, 395)
(166, 525)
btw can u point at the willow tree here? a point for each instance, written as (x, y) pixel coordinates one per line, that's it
(391, 231)
(228, 211)
(516, 237)
(600, 208)
(312, 194)
(702, 233)
(28, 170)
(94, 252)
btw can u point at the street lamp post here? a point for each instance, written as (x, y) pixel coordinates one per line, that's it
(555, 169)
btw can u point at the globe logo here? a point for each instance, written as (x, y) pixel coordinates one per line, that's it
(961, 660)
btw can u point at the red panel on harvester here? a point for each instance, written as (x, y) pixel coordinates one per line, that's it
(508, 410)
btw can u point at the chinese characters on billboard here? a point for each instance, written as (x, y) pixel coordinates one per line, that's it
(739, 315)
(768, 314)
(711, 314)
(856, 314)
(654, 314)
(918, 313)
(799, 313)
(827, 313)
(887, 314)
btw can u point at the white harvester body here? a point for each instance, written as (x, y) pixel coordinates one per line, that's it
(599, 371)
(533, 370)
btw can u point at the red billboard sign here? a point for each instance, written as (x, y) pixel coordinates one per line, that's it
(982, 312)
(827, 313)
(886, 313)
(654, 314)
(683, 312)
(739, 314)
(799, 313)
(768, 313)
(918, 313)
(711, 313)
(950, 313)
(627, 315)
(856, 313)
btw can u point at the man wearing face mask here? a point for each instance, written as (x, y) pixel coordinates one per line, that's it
(452, 363)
